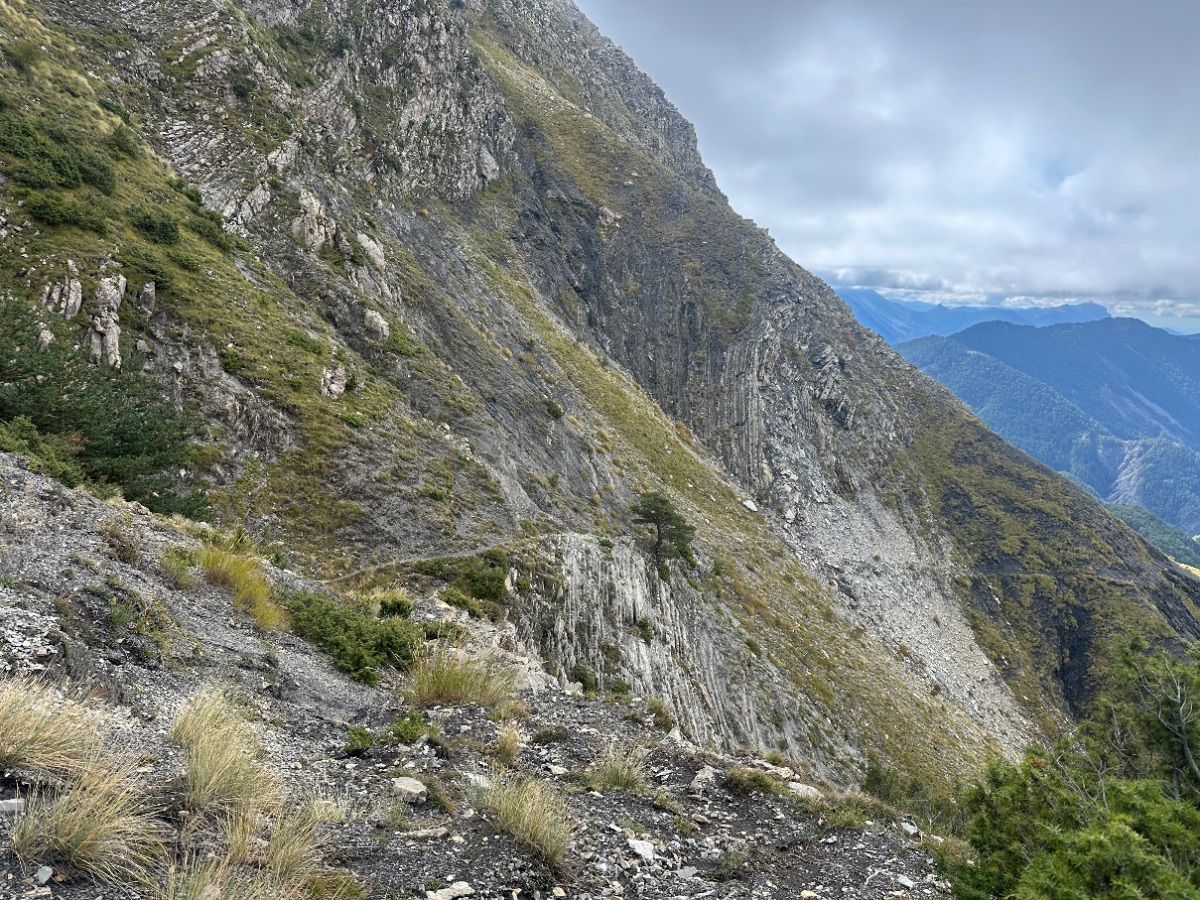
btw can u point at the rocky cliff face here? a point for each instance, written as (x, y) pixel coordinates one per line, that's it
(483, 291)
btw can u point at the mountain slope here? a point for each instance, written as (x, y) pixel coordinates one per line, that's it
(476, 291)
(1125, 441)
(1138, 381)
(897, 321)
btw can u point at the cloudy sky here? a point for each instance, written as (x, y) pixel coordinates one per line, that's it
(1028, 152)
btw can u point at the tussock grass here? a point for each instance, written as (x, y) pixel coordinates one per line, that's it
(101, 825)
(752, 781)
(290, 854)
(508, 745)
(176, 564)
(855, 809)
(221, 757)
(216, 879)
(533, 814)
(243, 577)
(619, 769)
(447, 678)
(43, 731)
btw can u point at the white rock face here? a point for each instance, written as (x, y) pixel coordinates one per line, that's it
(377, 325)
(66, 296)
(105, 334)
(373, 250)
(312, 227)
(333, 382)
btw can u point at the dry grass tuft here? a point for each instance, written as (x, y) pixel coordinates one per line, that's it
(43, 731)
(243, 577)
(448, 678)
(508, 745)
(221, 757)
(619, 769)
(533, 814)
(100, 825)
(216, 879)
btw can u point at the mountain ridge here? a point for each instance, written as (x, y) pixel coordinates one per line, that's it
(897, 321)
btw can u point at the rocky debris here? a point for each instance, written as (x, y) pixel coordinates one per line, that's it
(12, 807)
(333, 382)
(377, 325)
(105, 334)
(44, 874)
(45, 336)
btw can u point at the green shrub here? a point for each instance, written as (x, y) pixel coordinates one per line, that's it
(358, 740)
(394, 604)
(407, 730)
(751, 781)
(123, 142)
(357, 643)
(161, 227)
(115, 422)
(54, 209)
(49, 454)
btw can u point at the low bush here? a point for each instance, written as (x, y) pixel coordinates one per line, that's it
(358, 644)
(100, 825)
(159, 226)
(448, 678)
(49, 454)
(533, 814)
(42, 731)
(115, 423)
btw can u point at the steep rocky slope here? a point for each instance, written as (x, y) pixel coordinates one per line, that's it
(476, 290)
(88, 598)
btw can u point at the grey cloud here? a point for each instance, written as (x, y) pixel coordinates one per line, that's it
(971, 149)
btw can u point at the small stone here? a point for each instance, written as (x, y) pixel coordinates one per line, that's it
(644, 849)
(482, 782)
(44, 874)
(556, 770)
(456, 890)
(12, 807)
(687, 872)
(409, 790)
(805, 791)
(905, 882)
(424, 834)
(703, 780)
(809, 894)
(910, 829)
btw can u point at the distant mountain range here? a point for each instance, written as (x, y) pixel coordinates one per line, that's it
(897, 321)
(1114, 403)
